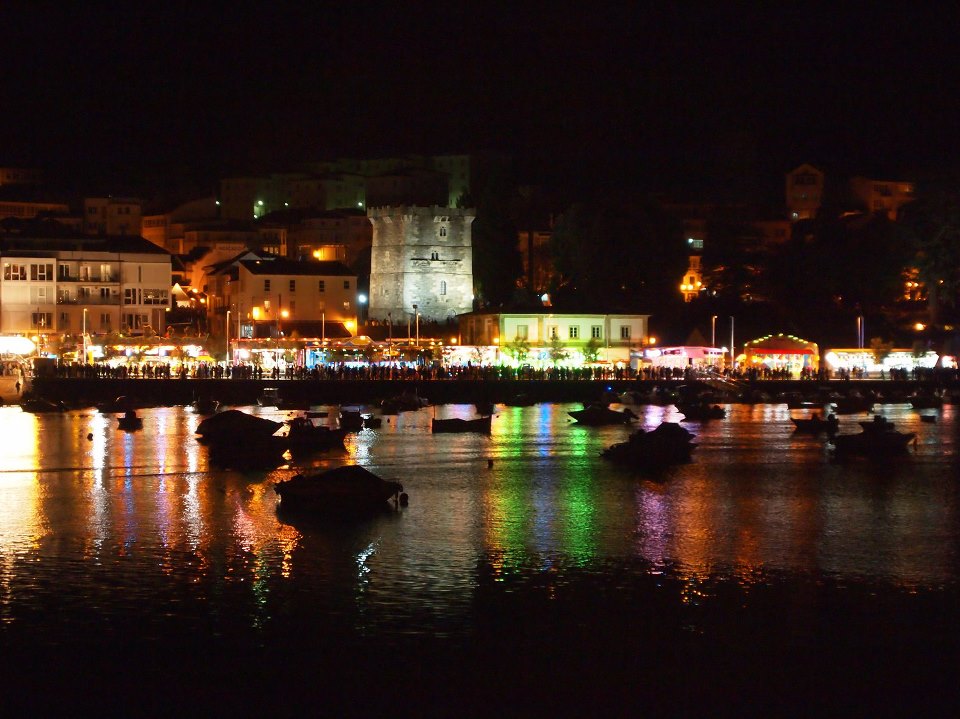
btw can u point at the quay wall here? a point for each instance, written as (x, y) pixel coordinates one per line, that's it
(79, 391)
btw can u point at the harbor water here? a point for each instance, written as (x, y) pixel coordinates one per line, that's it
(526, 575)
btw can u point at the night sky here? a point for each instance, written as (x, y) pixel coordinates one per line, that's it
(681, 99)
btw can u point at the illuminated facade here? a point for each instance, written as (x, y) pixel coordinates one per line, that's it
(782, 352)
(611, 335)
(64, 286)
(275, 290)
(421, 263)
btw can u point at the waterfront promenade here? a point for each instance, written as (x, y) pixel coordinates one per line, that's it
(176, 391)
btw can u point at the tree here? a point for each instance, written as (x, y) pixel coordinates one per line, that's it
(880, 349)
(591, 350)
(930, 226)
(518, 348)
(557, 351)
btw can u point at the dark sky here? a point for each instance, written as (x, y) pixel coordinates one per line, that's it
(680, 98)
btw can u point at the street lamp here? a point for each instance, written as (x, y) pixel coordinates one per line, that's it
(417, 320)
(83, 336)
(361, 300)
(713, 331)
(227, 359)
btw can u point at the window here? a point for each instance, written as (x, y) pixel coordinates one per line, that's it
(596, 332)
(41, 319)
(64, 320)
(63, 272)
(104, 321)
(266, 286)
(14, 272)
(321, 286)
(346, 306)
(443, 287)
(134, 321)
(554, 332)
(104, 293)
(573, 332)
(41, 273)
(293, 286)
(434, 255)
(624, 332)
(155, 297)
(443, 231)
(346, 284)
(132, 296)
(523, 332)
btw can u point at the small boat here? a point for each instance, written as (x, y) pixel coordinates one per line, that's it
(130, 422)
(873, 444)
(597, 416)
(40, 406)
(305, 436)
(351, 420)
(236, 426)
(666, 445)
(700, 411)
(480, 425)
(269, 397)
(879, 423)
(815, 424)
(349, 489)
(205, 405)
(403, 402)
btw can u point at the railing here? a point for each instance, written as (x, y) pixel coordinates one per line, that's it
(103, 279)
(92, 300)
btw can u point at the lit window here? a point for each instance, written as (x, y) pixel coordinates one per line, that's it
(624, 332)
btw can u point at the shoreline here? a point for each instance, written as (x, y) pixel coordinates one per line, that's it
(168, 392)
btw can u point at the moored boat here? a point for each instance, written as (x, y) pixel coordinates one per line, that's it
(305, 436)
(873, 444)
(347, 489)
(666, 445)
(129, 421)
(480, 425)
(597, 416)
(815, 424)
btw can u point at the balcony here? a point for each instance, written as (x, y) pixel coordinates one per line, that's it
(95, 278)
(91, 300)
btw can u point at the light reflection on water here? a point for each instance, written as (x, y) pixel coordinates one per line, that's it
(90, 514)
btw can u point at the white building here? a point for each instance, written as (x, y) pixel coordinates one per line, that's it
(611, 336)
(64, 286)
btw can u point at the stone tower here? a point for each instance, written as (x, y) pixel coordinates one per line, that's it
(421, 256)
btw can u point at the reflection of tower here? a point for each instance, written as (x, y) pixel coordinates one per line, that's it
(422, 256)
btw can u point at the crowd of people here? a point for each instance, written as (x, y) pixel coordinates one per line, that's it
(469, 371)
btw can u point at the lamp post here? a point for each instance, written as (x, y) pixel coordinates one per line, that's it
(416, 315)
(361, 301)
(713, 331)
(83, 335)
(733, 348)
(227, 328)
